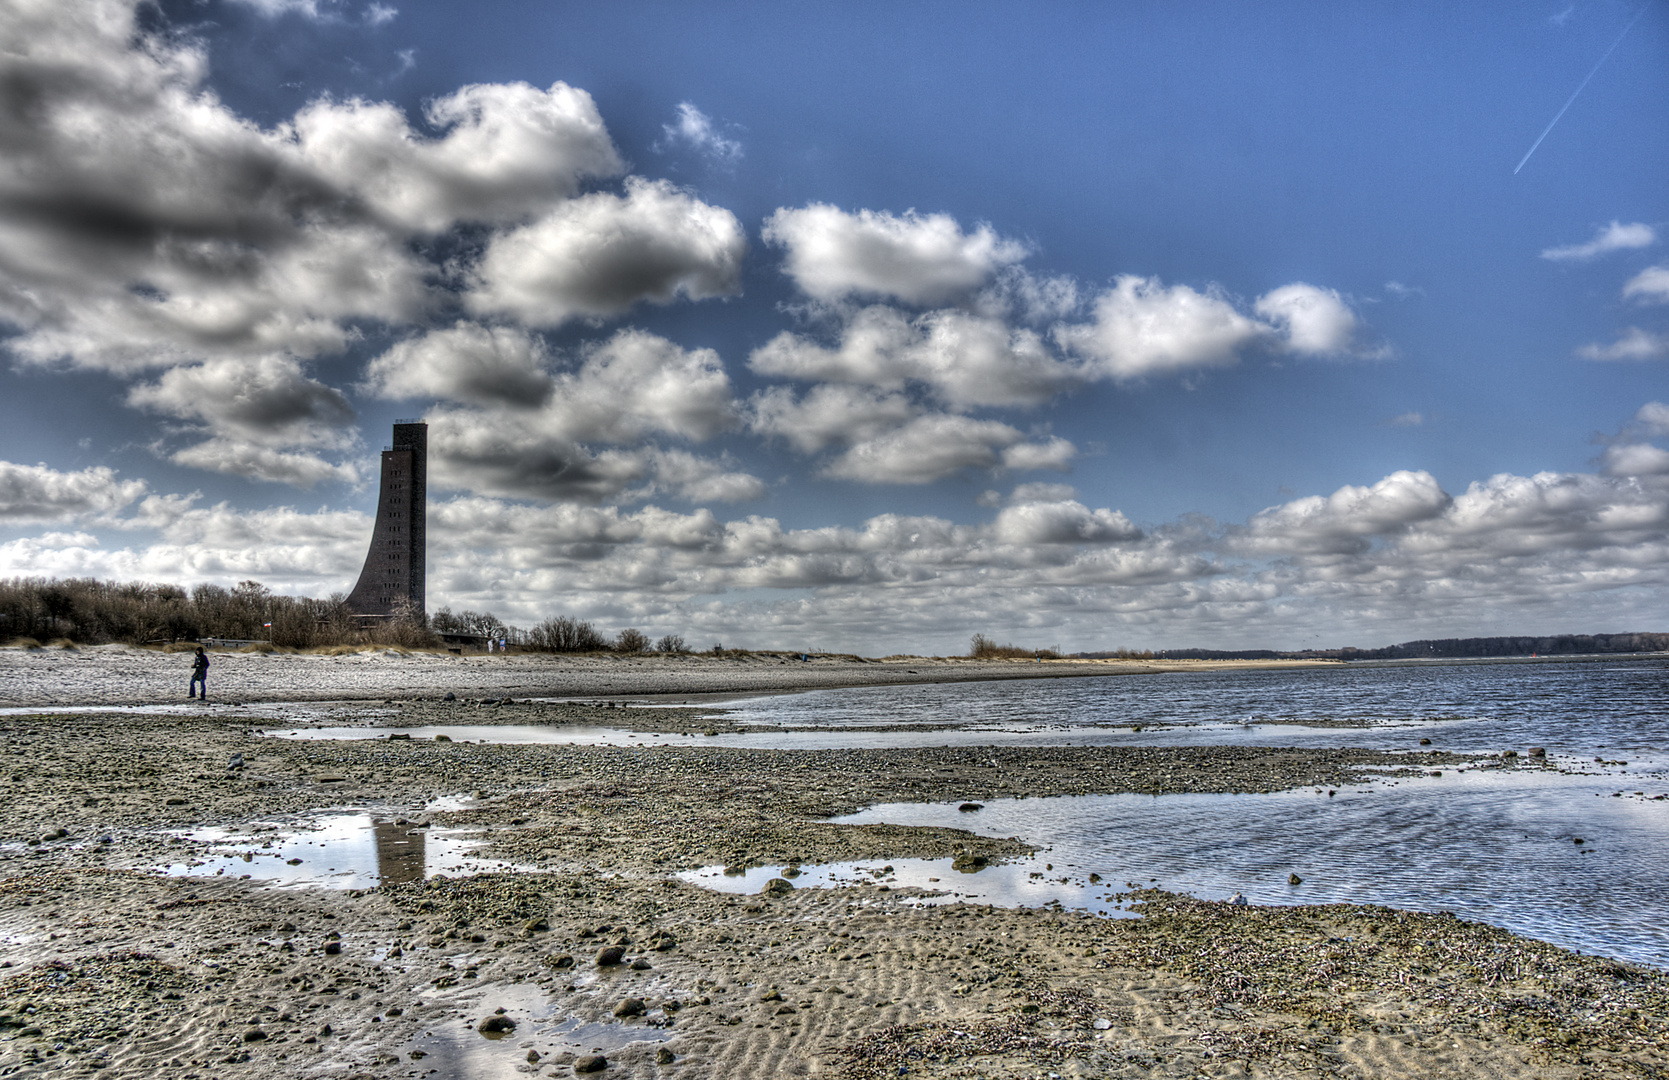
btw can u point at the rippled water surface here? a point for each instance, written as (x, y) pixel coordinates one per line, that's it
(1497, 845)
(1610, 708)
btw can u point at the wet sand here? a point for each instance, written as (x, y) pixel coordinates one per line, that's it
(112, 969)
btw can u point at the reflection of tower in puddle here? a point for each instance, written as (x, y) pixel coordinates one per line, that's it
(399, 852)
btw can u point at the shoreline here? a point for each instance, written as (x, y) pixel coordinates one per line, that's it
(107, 966)
(129, 675)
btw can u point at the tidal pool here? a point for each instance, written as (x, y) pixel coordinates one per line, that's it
(455, 1049)
(1579, 861)
(353, 849)
(1025, 882)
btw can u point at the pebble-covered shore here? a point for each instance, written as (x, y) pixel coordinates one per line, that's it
(112, 969)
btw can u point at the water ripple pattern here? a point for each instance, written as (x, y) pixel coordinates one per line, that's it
(1586, 708)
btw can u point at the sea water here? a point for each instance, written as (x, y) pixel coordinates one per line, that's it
(1584, 708)
(1575, 852)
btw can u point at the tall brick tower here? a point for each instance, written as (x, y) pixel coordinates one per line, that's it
(394, 569)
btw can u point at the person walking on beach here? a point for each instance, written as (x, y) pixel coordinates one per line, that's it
(199, 674)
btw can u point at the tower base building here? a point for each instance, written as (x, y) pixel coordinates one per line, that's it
(392, 581)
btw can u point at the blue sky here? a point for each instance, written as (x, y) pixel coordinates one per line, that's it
(857, 327)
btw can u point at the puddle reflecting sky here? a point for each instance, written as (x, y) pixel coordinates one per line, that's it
(454, 1050)
(1020, 883)
(349, 850)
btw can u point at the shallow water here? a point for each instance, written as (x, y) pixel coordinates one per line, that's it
(1029, 882)
(1494, 846)
(353, 849)
(508, 734)
(1609, 708)
(455, 1050)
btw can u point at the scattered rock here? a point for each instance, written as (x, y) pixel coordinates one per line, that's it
(590, 1063)
(1538, 751)
(777, 887)
(663, 1056)
(640, 964)
(970, 807)
(254, 1035)
(560, 962)
(497, 1024)
(1294, 879)
(630, 1007)
(610, 956)
(969, 864)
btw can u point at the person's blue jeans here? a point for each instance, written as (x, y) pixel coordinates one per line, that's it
(196, 681)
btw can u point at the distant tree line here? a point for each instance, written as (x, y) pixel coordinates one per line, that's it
(1452, 648)
(984, 648)
(96, 612)
(559, 634)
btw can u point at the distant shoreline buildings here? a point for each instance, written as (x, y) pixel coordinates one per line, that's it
(392, 582)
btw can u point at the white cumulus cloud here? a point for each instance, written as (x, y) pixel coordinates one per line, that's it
(912, 257)
(1653, 417)
(265, 399)
(1635, 459)
(599, 254)
(695, 129)
(827, 414)
(235, 457)
(510, 150)
(31, 493)
(466, 362)
(1341, 521)
(1312, 321)
(1064, 522)
(935, 445)
(961, 358)
(1633, 344)
(256, 411)
(1613, 237)
(1142, 327)
(1649, 286)
(624, 392)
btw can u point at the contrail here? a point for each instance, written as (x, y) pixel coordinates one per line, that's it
(1591, 74)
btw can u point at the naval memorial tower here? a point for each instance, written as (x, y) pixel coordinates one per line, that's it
(392, 581)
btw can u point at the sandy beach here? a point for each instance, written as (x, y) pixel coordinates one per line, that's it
(123, 675)
(579, 952)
